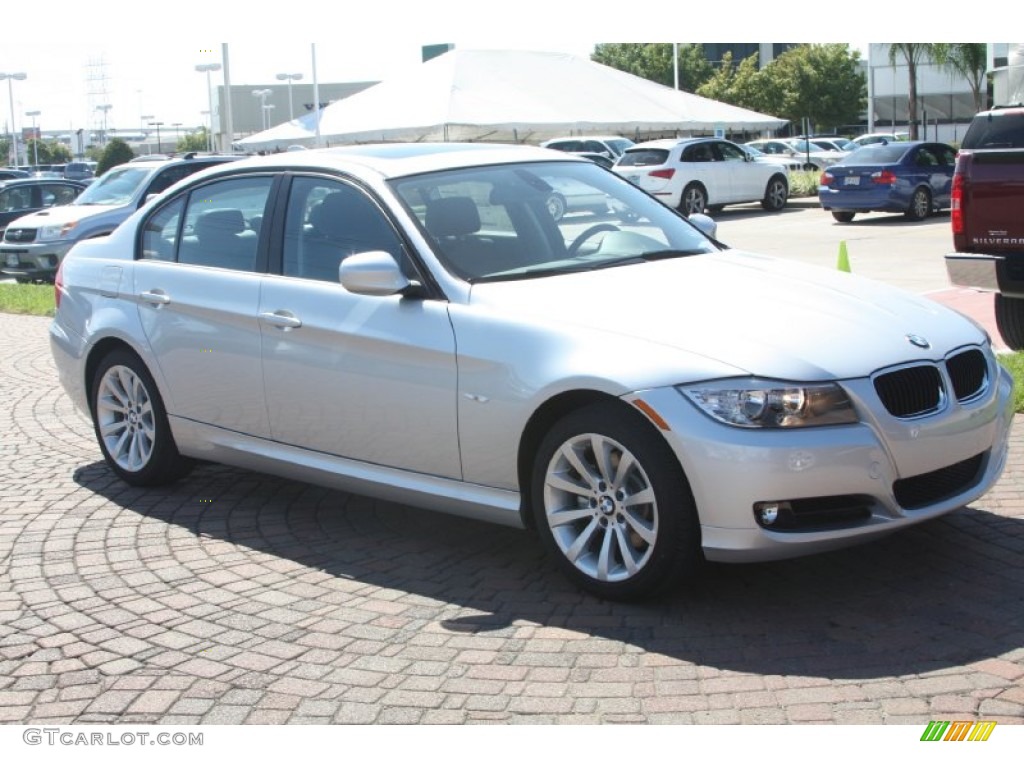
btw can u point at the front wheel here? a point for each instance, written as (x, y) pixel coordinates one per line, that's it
(775, 194)
(613, 506)
(131, 423)
(1010, 321)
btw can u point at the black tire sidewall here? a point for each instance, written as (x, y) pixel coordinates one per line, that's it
(677, 554)
(165, 463)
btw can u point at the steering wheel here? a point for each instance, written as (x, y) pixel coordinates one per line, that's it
(588, 233)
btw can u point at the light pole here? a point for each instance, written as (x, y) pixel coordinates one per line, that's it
(143, 121)
(159, 149)
(289, 78)
(104, 108)
(261, 94)
(35, 139)
(9, 76)
(208, 68)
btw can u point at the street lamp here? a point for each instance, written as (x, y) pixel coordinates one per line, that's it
(289, 78)
(9, 76)
(157, 124)
(261, 94)
(35, 139)
(208, 68)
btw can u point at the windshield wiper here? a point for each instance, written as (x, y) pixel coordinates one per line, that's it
(670, 253)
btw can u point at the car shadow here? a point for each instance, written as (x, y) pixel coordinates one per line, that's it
(945, 593)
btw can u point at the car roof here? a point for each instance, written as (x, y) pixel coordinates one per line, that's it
(397, 160)
(39, 180)
(669, 143)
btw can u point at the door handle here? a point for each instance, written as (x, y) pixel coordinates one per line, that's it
(281, 319)
(155, 297)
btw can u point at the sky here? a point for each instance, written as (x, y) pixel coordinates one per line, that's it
(146, 66)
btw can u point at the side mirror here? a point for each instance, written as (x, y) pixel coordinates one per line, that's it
(372, 273)
(705, 224)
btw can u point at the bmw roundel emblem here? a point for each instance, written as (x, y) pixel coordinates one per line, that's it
(918, 341)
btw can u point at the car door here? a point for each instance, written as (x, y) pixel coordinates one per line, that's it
(700, 164)
(370, 378)
(745, 176)
(197, 283)
(942, 178)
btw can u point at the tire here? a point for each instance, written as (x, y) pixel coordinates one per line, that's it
(1010, 321)
(131, 424)
(844, 217)
(621, 534)
(556, 206)
(694, 199)
(775, 194)
(920, 205)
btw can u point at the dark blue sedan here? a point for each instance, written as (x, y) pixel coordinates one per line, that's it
(908, 177)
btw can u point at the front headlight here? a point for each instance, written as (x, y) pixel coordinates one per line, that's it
(755, 403)
(55, 231)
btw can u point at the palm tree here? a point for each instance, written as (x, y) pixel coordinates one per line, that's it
(970, 61)
(913, 54)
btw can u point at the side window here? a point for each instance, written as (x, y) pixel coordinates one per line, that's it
(221, 223)
(327, 221)
(58, 194)
(160, 232)
(16, 199)
(729, 152)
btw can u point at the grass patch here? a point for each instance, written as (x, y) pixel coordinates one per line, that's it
(19, 299)
(803, 183)
(1014, 363)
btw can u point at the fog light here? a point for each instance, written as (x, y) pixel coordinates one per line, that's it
(768, 512)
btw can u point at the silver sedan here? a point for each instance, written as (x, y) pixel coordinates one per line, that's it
(411, 322)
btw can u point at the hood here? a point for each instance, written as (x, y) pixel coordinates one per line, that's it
(63, 214)
(770, 317)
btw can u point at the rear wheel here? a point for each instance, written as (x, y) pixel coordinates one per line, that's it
(920, 205)
(613, 506)
(844, 217)
(1010, 321)
(775, 194)
(131, 423)
(694, 200)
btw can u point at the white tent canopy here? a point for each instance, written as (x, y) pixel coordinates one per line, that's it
(515, 96)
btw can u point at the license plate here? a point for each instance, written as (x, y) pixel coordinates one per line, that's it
(12, 260)
(851, 181)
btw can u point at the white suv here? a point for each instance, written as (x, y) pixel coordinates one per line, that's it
(695, 175)
(611, 147)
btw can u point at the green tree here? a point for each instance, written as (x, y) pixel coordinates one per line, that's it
(47, 151)
(913, 54)
(737, 85)
(970, 61)
(197, 141)
(653, 61)
(820, 82)
(115, 153)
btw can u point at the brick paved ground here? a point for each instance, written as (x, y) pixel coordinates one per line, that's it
(235, 597)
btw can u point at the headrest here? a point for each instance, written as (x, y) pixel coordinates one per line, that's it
(452, 216)
(228, 221)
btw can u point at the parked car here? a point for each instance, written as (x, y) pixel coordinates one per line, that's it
(878, 138)
(909, 177)
(410, 323)
(609, 146)
(787, 162)
(810, 155)
(833, 143)
(33, 245)
(694, 175)
(79, 171)
(13, 173)
(19, 197)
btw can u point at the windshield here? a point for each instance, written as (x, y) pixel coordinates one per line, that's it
(877, 154)
(528, 220)
(116, 187)
(996, 130)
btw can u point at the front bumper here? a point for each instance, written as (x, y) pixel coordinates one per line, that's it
(933, 465)
(33, 261)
